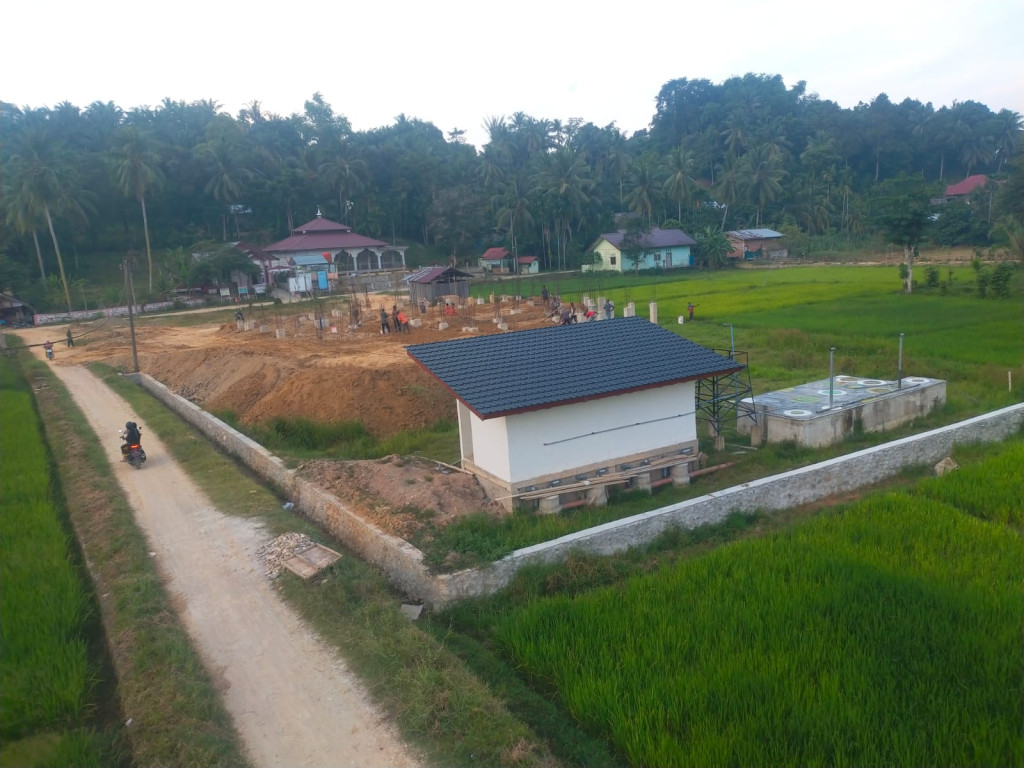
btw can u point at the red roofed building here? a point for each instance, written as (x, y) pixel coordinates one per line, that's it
(961, 190)
(497, 259)
(350, 252)
(529, 265)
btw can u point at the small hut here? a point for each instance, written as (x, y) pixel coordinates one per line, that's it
(430, 284)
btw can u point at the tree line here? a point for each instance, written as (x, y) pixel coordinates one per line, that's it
(747, 152)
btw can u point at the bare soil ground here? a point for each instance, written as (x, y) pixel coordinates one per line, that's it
(354, 374)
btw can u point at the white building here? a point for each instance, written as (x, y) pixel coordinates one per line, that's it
(556, 414)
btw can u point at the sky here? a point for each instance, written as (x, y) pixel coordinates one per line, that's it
(456, 63)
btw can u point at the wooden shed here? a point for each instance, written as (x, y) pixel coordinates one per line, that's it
(431, 283)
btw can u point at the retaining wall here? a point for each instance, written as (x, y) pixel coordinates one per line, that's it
(403, 563)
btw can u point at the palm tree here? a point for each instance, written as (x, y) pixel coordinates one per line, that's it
(761, 171)
(229, 175)
(346, 173)
(515, 210)
(46, 185)
(21, 213)
(644, 197)
(617, 160)
(565, 182)
(727, 187)
(137, 174)
(680, 184)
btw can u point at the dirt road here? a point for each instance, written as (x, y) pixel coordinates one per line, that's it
(291, 698)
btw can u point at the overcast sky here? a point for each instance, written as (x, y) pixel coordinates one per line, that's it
(455, 63)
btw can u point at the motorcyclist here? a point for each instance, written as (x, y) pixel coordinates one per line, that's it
(48, 346)
(132, 435)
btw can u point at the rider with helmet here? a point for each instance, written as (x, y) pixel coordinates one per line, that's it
(132, 435)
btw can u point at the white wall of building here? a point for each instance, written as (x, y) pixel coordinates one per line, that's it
(489, 443)
(552, 440)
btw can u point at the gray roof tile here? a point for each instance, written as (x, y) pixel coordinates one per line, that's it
(505, 373)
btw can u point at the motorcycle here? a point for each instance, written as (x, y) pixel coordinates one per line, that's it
(132, 452)
(49, 353)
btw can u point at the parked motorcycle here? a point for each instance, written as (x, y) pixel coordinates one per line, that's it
(132, 451)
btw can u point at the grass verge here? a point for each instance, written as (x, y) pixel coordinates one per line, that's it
(176, 717)
(436, 701)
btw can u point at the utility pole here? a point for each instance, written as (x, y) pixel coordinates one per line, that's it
(129, 292)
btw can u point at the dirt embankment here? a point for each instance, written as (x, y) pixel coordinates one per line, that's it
(353, 374)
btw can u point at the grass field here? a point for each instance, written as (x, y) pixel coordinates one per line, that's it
(49, 698)
(883, 633)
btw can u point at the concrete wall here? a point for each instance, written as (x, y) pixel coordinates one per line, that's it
(403, 564)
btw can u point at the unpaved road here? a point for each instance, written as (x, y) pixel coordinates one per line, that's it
(291, 698)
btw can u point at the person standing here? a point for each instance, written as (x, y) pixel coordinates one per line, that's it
(609, 309)
(384, 326)
(71, 339)
(544, 295)
(394, 318)
(689, 308)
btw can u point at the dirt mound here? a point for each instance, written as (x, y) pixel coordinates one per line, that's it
(399, 494)
(344, 375)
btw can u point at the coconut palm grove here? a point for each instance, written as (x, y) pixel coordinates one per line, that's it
(84, 184)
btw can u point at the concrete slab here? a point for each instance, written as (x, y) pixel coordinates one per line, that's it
(821, 413)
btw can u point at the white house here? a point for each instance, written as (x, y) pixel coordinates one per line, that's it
(556, 414)
(656, 248)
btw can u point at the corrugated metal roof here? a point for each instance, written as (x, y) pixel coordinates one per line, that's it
(432, 274)
(754, 234)
(309, 260)
(505, 373)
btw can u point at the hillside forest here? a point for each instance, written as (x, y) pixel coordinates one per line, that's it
(79, 182)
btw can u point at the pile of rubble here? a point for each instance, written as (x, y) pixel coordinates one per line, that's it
(275, 552)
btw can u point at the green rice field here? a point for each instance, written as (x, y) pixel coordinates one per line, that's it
(884, 633)
(46, 679)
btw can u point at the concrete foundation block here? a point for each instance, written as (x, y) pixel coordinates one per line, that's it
(719, 442)
(470, 329)
(597, 496)
(549, 505)
(281, 333)
(442, 326)
(264, 329)
(756, 434)
(680, 474)
(643, 482)
(335, 313)
(502, 326)
(240, 325)
(249, 325)
(416, 322)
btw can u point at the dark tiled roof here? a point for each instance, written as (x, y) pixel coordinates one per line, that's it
(655, 238)
(505, 373)
(320, 224)
(323, 241)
